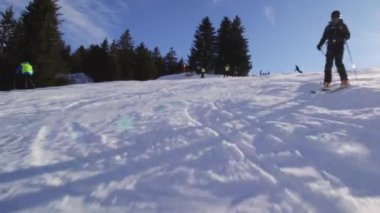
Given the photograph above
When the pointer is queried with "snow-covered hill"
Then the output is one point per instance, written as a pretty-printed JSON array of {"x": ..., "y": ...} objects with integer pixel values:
[{"x": 255, "y": 144}]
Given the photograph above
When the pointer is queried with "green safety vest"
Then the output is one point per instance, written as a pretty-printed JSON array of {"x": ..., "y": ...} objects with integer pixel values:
[
  {"x": 26, "y": 68},
  {"x": 227, "y": 68}
]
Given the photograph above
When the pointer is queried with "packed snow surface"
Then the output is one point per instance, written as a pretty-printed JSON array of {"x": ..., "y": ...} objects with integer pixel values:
[{"x": 178, "y": 144}]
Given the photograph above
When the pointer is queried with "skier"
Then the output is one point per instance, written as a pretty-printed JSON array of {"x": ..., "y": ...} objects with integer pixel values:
[
  {"x": 26, "y": 70},
  {"x": 203, "y": 72},
  {"x": 227, "y": 69},
  {"x": 336, "y": 33},
  {"x": 298, "y": 69}
]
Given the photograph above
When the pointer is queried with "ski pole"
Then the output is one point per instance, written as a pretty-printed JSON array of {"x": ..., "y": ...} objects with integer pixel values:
[
  {"x": 32, "y": 83},
  {"x": 352, "y": 61}
]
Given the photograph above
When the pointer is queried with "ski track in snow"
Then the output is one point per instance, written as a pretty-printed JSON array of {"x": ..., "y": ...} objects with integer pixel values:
[
  {"x": 255, "y": 144},
  {"x": 37, "y": 148}
]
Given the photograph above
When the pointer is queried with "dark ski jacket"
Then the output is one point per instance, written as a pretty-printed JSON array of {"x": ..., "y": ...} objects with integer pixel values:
[{"x": 335, "y": 34}]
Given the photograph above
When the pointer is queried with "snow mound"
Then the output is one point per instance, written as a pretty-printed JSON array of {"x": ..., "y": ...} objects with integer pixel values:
[
  {"x": 79, "y": 78},
  {"x": 254, "y": 144}
]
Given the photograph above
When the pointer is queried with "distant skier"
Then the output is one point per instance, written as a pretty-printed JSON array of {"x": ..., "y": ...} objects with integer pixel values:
[
  {"x": 298, "y": 69},
  {"x": 336, "y": 33},
  {"x": 26, "y": 71},
  {"x": 227, "y": 69},
  {"x": 203, "y": 72}
]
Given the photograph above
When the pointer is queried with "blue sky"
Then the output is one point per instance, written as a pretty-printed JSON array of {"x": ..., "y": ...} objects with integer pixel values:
[{"x": 281, "y": 33}]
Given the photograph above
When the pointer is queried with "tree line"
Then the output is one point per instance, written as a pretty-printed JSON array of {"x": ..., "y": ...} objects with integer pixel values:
[
  {"x": 122, "y": 60},
  {"x": 35, "y": 37}
]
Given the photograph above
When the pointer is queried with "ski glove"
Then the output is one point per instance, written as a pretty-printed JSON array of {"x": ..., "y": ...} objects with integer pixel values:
[{"x": 319, "y": 47}]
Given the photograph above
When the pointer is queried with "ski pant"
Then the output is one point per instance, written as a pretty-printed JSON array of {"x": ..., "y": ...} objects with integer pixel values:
[
  {"x": 28, "y": 82},
  {"x": 335, "y": 52}
]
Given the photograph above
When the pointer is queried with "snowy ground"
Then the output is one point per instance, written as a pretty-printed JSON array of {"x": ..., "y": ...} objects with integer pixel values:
[{"x": 255, "y": 144}]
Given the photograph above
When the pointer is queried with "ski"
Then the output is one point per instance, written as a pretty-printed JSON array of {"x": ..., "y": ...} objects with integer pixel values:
[{"x": 328, "y": 90}]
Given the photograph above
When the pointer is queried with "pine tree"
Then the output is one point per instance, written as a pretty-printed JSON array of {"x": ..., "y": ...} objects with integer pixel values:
[
  {"x": 203, "y": 50},
  {"x": 171, "y": 62},
  {"x": 233, "y": 47},
  {"x": 240, "y": 54},
  {"x": 114, "y": 54},
  {"x": 41, "y": 42},
  {"x": 124, "y": 55},
  {"x": 98, "y": 64},
  {"x": 77, "y": 60},
  {"x": 109, "y": 69},
  {"x": 158, "y": 62},
  {"x": 181, "y": 65},
  {"x": 7, "y": 29},
  {"x": 145, "y": 68},
  {"x": 224, "y": 45},
  {"x": 8, "y": 56},
  {"x": 66, "y": 56}
]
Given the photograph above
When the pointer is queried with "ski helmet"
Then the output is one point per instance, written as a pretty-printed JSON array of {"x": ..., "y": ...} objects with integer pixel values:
[{"x": 335, "y": 14}]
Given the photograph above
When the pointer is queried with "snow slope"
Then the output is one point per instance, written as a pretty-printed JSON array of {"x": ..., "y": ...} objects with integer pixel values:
[{"x": 255, "y": 144}]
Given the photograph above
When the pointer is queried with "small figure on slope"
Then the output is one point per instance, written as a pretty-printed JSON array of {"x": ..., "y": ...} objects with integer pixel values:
[
  {"x": 298, "y": 69},
  {"x": 203, "y": 71},
  {"x": 26, "y": 71},
  {"x": 227, "y": 69}
]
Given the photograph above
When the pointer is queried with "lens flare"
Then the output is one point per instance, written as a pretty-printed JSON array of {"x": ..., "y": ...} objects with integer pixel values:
[{"x": 125, "y": 123}]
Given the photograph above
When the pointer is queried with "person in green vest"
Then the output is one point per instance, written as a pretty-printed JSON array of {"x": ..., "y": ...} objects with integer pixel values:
[
  {"x": 203, "y": 71},
  {"x": 26, "y": 71},
  {"x": 227, "y": 71}
]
